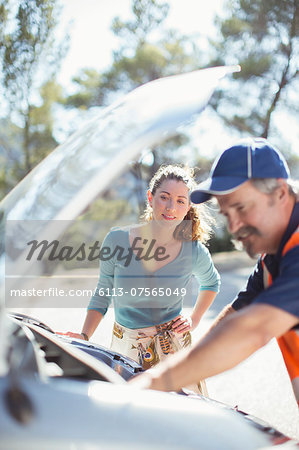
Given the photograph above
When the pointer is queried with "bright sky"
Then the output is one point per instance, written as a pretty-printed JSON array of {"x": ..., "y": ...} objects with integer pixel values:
[
  {"x": 92, "y": 44},
  {"x": 92, "y": 41}
]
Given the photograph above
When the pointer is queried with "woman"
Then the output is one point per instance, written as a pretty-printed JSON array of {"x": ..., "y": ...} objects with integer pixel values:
[{"x": 148, "y": 281}]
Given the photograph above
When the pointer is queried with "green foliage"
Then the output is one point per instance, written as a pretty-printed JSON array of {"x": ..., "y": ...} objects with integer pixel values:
[
  {"x": 88, "y": 82},
  {"x": 24, "y": 46},
  {"x": 148, "y": 61},
  {"x": 147, "y": 64},
  {"x": 50, "y": 93},
  {"x": 263, "y": 37},
  {"x": 106, "y": 209},
  {"x": 10, "y": 155},
  {"x": 29, "y": 59},
  {"x": 221, "y": 242},
  {"x": 41, "y": 140},
  {"x": 141, "y": 57},
  {"x": 148, "y": 16},
  {"x": 3, "y": 19}
]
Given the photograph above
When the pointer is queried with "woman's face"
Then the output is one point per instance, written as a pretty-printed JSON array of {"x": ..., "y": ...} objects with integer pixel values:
[{"x": 170, "y": 203}]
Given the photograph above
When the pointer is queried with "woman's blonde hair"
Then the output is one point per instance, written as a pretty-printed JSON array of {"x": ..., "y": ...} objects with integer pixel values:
[{"x": 196, "y": 225}]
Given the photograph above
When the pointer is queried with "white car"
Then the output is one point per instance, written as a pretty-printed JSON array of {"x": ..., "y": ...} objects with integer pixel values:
[{"x": 61, "y": 393}]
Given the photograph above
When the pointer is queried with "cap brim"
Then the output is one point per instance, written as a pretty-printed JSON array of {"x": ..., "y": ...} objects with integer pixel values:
[
  {"x": 215, "y": 186},
  {"x": 199, "y": 197}
]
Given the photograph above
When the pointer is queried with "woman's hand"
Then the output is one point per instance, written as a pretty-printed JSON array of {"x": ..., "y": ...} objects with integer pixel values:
[
  {"x": 73, "y": 335},
  {"x": 182, "y": 324}
]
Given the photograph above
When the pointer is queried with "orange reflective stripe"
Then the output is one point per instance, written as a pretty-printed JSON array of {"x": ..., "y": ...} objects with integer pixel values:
[
  {"x": 289, "y": 346},
  {"x": 267, "y": 277},
  {"x": 292, "y": 242},
  {"x": 289, "y": 342}
]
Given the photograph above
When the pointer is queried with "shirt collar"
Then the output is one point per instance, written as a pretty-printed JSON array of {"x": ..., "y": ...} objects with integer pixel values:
[
  {"x": 273, "y": 261},
  {"x": 292, "y": 226}
]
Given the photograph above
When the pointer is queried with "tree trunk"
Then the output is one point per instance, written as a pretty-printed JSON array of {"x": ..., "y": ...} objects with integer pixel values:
[
  {"x": 26, "y": 142},
  {"x": 284, "y": 79}
]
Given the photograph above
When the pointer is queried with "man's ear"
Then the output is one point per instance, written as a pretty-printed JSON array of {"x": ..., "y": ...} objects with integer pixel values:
[
  {"x": 283, "y": 190},
  {"x": 149, "y": 197}
]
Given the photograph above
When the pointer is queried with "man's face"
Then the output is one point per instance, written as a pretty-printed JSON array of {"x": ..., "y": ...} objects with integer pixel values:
[{"x": 253, "y": 218}]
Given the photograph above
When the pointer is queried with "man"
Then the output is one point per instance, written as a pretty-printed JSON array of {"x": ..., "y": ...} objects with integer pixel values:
[{"x": 251, "y": 184}]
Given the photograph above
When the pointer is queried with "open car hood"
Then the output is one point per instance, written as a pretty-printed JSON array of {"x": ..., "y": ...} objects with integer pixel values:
[
  {"x": 65, "y": 182},
  {"x": 75, "y": 173}
]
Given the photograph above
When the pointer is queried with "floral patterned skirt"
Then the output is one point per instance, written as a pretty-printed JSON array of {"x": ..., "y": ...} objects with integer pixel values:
[{"x": 148, "y": 346}]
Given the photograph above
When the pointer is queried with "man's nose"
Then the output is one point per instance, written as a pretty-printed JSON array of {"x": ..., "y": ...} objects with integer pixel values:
[{"x": 234, "y": 223}]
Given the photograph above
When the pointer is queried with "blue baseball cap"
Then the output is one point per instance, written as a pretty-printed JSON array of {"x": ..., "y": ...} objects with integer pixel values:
[{"x": 249, "y": 158}]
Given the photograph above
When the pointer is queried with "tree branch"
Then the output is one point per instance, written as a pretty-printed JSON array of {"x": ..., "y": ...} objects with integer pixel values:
[{"x": 284, "y": 79}]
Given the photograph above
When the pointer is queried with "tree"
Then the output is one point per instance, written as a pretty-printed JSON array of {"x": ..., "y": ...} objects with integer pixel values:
[
  {"x": 261, "y": 36},
  {"x": 28, "y": 51},
  {"x": 140, "y": 58},
  {"x": 88, "y": 82},
  {"x": 41, "y": 138},
  {"x": 10, "y": 155}
]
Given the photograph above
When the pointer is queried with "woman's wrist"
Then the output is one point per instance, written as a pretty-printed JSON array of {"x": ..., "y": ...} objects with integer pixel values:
[
  {"x": 85, "y": 336},
  {"x": 194, "y": 323}
]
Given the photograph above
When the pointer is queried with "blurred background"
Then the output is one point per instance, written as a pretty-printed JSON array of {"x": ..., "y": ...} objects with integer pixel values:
[{"x": 64, "y": 60}]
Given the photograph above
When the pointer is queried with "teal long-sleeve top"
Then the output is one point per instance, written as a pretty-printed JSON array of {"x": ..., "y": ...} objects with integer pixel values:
[{"x": 142, "y": 298}]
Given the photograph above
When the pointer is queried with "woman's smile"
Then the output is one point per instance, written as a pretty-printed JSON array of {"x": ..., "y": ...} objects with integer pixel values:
[{"x": 168, "y": 217}]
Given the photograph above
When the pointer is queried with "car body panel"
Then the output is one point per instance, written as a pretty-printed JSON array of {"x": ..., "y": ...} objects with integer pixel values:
[
  {"x": 108, "y": 413},
  {"x": 51, "y": 396}
]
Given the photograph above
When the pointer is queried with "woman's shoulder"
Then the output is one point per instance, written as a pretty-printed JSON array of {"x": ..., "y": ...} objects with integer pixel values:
[
  {"x": 117, "y": 233},
  {"x": 199, "y": 249},
  {"x": 121, "y": 233}
]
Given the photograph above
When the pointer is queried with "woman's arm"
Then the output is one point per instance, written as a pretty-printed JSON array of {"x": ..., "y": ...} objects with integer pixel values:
[
  {"x": 100, "y": 301},
  {"x": 92, "y": 320},
  {"x": 203, "y": 302},
  {"x": 209, "y": 280}
]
